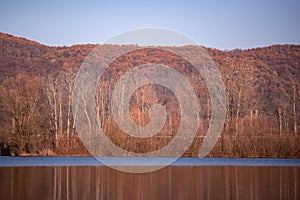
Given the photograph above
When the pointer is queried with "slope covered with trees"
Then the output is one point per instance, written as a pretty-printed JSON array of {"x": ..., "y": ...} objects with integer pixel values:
[{"x": 262, "y": 88}]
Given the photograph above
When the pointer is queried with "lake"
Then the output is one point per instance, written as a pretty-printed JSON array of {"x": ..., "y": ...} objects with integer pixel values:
[{"x": 186, "y": 178}]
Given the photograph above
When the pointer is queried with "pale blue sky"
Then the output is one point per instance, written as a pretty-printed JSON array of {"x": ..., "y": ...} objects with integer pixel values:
[{"x": 223, "y": 24}]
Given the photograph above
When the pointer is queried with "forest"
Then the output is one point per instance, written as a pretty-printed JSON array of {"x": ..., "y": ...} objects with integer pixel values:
[{"x": 262, "y": 109}]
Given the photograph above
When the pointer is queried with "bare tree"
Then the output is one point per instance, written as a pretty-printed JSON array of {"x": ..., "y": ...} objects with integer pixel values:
[
  {"x": 67, "y": 78},
  {"x": 290, "y": 91},
  {"x": 51, "y": 88},
  {"x": 295, "y": 94},
  {"x": 238, "y": 79},
  {"x": 22, "y": 99}
]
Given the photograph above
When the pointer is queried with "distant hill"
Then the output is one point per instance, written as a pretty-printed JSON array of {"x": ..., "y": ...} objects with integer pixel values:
[
  {"x": 262, "y": 84},
  {"x": 271, "y": 68},
  {"x": 19, "y": 55}
]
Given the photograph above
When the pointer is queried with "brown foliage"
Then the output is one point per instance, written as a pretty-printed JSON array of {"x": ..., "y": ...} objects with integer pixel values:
[
  {"x": 24, "y": 115},
  {"x": 262, "y": 86}
]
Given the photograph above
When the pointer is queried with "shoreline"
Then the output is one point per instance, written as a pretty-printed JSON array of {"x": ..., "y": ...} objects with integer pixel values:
[{"x": 141, "y": 161}]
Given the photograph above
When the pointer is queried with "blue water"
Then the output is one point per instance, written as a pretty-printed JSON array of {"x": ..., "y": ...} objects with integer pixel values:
[{"x": 142, "y": 161}]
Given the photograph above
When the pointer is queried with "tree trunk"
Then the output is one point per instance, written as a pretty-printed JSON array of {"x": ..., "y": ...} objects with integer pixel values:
[
  {"x": 208, "y": 111},
  {"x": 294, "y": 109},
  {"x": 251, "y": 121},
  {"x": 55, "y": 117},
  {"x": 280, "y": 121},
  {"x": 13, "y": 125},
  {"x": 238, "y": 111},
  {"x": 69, "y": 115},
  {"x": 60, "y": 114}
]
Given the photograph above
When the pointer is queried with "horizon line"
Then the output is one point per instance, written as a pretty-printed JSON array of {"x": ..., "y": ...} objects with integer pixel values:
[{"x": 87, "y": 43}]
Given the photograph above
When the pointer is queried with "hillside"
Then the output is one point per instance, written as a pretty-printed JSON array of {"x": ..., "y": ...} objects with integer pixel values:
[
  {"x": 262, "y": 85},
  {"x": 19, "y": 55}
]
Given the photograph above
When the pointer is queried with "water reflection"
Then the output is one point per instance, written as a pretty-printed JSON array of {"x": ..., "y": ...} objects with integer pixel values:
[{"x": 173, "y": 182}]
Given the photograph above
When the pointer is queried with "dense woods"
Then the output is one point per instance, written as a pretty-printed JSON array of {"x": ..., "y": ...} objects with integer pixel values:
[{"x": 262, "y": 110}]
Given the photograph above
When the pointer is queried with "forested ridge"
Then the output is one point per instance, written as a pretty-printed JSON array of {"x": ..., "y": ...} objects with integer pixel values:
[{"x": 262, "y": 110}]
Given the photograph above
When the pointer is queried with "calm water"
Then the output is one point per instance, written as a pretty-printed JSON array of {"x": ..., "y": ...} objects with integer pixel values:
[
  {"x": 86, "y": 178},
  {"x": 91, "y": 161}
]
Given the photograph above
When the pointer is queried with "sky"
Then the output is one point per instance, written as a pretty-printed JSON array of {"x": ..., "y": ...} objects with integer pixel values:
[{"x": 223, "y": 24}]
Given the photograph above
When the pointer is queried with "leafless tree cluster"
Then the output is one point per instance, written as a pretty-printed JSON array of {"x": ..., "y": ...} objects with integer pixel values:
[
  {"x": 262, "y": 108},
  {"x": 58, "y": 89},
  {"x": 25, "y": 125}
]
